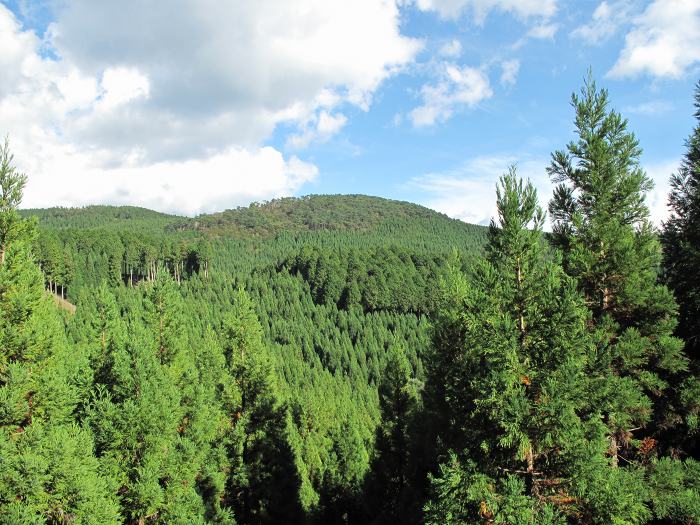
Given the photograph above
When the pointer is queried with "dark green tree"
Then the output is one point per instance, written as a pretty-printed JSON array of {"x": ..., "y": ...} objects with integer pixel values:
[
  {"x": 12, "y": 184},
  {"x": 681, "y": 239},
  {"x": 610, "y": 247},
  {"x": 389, "y": 493},
  {"x": 681, "y": 242},
  {"x": 263, "y": 486},
  {"x": 204, "y": 255}
]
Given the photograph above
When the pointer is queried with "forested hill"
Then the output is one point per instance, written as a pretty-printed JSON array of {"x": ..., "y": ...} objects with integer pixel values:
[
  {"x": 336, "y": 285},
  {"x": 104, "y": 217},
  {"x": 279, "y": 217},
  {"x": 324, "y": 212}
]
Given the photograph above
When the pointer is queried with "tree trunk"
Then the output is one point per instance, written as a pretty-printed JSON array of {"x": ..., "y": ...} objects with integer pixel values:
[
  {"x": 530, "y": 481},
  {"x": 614, "y": 448},
  {"x": 520, "y": 305},
  {"x": 606, "y": 298}
]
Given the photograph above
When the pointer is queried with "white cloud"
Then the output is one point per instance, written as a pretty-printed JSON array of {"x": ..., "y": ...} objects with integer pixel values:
[
  {"x": 543, "y": 31},
  {"x": 657, "y": 199},
  {"x": 458, "y": 88},
  {"x": 509, "y": 71},
  {"x": 122, "y": 85},
  {"x": 243, "y": 68},
  {"x": 480, "y": 8},
  {"x": 451, "y": 49},
  {"x": 468, "y": 192},
  {"x": 319, "y": 128},
  {"x": 132, "y": 88},
  {"x": 227, "y": 179},
  {"x": 664, "y": 42},
  {"x": 605, "y": 21},
  {"x": 653, "y": 107}
]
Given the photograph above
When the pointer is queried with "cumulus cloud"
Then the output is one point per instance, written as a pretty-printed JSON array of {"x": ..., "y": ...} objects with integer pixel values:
[
  {"x": 457, "y": 88},
  {"x": 227, "y": 179},
  {"x": 657, "y": 199},
  {"x": 481, "y": 8},
  {"x": 605, "y": 21},
  {"x": 509, "y": 71},
  {"x": 232, "y": 71},
  {"x": 131, "y": 87},
  {"x": 451, "y": 49},
  {"x": 120, "y": 86},
  {"x": 319, "y": 128},
  {"x": 664, "y": 42}
]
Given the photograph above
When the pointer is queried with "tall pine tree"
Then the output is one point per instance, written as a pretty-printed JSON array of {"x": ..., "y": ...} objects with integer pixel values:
[
  {"x": 48, "y": 472},
  {"x": 389, "y": 491},
  {"x": 518, "y": 446},
  {"x": 602, "y": 223}
]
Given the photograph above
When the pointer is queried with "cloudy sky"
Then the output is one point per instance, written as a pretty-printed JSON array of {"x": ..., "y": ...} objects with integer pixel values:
[{"x": 196, "y": 106}]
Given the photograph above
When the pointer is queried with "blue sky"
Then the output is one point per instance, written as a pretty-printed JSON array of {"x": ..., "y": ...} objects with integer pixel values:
[{"x": 193, "y": 107}]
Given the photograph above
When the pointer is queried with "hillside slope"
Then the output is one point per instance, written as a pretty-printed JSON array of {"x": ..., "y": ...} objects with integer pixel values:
[
  {"x": 101, "y": 217},
  {"x": 313, "y": 213}
]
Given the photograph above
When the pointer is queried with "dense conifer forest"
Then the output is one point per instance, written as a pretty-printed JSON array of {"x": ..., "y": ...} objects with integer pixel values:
[{"x": 352, "y": 359}]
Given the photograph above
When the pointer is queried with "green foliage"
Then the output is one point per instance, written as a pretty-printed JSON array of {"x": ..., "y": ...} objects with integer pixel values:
[
  {"x": 47, "y": 470},
  {"x": 390, "y": 493},
  {"x": 114, "y": 218},
  {"x": 555, "y": 407},
  {"x": 358, "y": 213},
  {"x": 463, "y": 495},
  {"x": 610, "y": 247},
  {"x": 507, "y": 379},
  {"x": 349, "y": 359},
  {"x": 681, "y": 238},
  {"x": 681, "y": 242},
  {"x": 12, "y": 184},
  {"x": 263, "y": 484}
]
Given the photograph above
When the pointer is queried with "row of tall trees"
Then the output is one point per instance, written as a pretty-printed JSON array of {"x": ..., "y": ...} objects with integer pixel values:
[{"x": 72, "y": 259}]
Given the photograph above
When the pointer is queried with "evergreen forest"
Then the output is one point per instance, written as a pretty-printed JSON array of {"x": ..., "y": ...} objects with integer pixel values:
[{"x": 346, "y": 359}]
